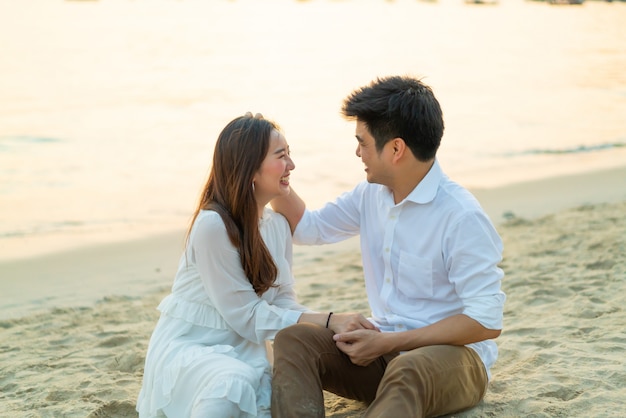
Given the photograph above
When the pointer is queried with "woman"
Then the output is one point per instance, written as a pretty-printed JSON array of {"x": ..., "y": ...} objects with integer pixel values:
[{"x": 233, "y": 289}]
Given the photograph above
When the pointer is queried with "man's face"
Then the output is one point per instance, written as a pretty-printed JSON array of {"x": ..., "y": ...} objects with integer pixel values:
[{"x": 374, "y": 162}]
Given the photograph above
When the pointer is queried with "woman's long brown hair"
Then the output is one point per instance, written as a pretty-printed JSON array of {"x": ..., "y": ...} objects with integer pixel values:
[{"x": 239, "y": 152}]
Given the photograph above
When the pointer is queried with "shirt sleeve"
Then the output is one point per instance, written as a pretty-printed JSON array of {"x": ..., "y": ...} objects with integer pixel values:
[
  {"x": 334, "y": 222},
  {"x": 472, "y": 251},
  {"x": 228, "y": 287},
  {"x": 286, "y": 298}
]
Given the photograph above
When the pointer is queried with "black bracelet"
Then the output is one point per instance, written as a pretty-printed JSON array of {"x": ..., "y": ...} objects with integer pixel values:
[{"x": 328, "y": 320}]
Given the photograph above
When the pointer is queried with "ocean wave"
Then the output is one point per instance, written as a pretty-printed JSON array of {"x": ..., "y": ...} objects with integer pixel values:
[
  {"x": 42, "y": 229},
  {"x": 12, "y": 141},
  {"x": 574, "y": 150}
]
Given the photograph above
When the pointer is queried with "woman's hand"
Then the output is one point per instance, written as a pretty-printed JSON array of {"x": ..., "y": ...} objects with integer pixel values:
[
  {"x": 256, "y": 115},
  {"x": 345, "y": 322}
]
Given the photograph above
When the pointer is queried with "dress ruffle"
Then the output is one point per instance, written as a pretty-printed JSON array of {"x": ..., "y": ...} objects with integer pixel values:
[
  {"x": 160, "y": 393},
  {"x": 193, "y": 312},
  {"x": 236, "y": 390}
]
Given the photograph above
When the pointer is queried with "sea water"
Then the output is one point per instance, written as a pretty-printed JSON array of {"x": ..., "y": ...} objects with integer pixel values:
[{"x": 109, "y": 109}]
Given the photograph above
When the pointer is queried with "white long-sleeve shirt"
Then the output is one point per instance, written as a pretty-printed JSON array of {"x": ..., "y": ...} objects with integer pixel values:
[{"x": 431, "y": 256}]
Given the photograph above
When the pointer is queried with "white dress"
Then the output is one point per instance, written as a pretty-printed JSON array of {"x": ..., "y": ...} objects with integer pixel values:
[{"x": 208, "y": 347}]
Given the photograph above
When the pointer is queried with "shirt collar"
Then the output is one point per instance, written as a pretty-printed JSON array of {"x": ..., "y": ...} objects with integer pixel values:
[{"x": 426, "y": 190}]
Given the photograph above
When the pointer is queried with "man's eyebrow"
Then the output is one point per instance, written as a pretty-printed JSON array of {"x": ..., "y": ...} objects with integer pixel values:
[{"x": 358, "y": 138}]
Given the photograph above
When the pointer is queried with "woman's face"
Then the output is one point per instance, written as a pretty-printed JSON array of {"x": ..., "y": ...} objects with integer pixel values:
[{"x": 272, "y": 179}]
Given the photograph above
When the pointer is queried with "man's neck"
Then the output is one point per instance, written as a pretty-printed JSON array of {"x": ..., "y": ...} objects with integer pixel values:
[{"x": 407, "y": 179}]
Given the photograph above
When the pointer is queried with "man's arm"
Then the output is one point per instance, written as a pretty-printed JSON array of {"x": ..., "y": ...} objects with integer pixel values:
[
  {"x": 291, "y": 207},
  {"x": 364, "y": 346}
]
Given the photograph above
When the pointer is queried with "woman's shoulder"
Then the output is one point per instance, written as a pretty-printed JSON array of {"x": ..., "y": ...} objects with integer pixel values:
[
  {"x": 275, "y": 219},
  {"x": 208, "y": 221},
  {"x": 208, "y": 231},
  {"x": 211, "y": 222},
  {"x": 275, "y": 227}
]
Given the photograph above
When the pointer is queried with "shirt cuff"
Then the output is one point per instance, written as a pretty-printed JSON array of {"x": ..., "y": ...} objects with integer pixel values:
[
  {"x": 487, "y": 310},
  {"x": 291, "y": 317}
]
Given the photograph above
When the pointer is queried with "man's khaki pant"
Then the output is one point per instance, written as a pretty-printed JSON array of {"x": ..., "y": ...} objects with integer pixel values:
[{"x": 425, "y": 382}]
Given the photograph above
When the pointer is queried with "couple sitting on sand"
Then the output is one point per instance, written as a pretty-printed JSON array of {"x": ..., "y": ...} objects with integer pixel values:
[{"x": 430, "y": 261}]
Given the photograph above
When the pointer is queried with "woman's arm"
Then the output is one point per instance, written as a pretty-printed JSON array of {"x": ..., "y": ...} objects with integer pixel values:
[{"x": 227, "y": 286}]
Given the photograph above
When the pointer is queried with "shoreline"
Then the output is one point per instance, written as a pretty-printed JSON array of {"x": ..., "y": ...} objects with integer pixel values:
[
  {"x": 527, "y": 199},
  {"x": 536, "y": 198},
  {"x": 134, "y": 267}
]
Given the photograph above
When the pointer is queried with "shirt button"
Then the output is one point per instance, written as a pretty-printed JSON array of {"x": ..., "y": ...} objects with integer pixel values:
[
  {"x": 387, "y": 249},
  {"x": 388, "y": 280}
]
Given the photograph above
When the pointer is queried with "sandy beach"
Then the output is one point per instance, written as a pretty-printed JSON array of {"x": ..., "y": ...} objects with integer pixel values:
[{"x": 74, "y": 326}]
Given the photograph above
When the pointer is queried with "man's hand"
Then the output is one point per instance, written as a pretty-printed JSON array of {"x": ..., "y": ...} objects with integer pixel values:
[{"x": 363, "y": 346}]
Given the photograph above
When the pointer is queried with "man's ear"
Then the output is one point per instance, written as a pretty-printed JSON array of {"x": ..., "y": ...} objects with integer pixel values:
[{"x": 399, "y": 149}]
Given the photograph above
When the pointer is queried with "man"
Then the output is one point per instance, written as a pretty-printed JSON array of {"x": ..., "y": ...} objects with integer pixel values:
[{"x": 430, "y": 261}]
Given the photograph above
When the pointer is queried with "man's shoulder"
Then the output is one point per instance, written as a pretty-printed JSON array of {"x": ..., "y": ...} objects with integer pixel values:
[{"x": 456, "y": 197}]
